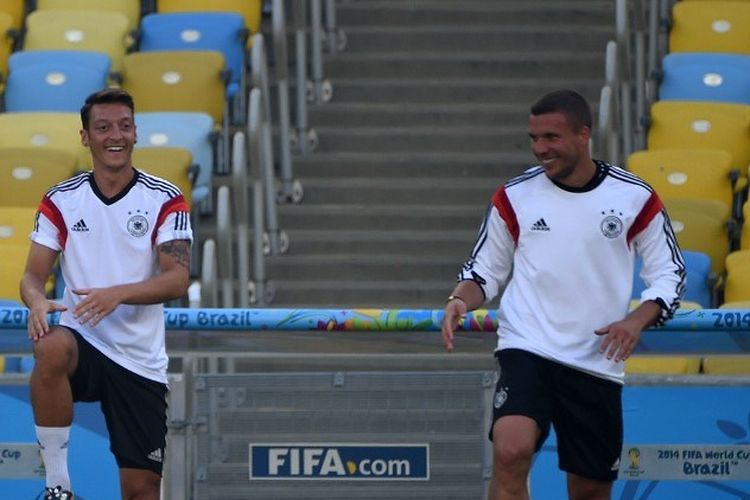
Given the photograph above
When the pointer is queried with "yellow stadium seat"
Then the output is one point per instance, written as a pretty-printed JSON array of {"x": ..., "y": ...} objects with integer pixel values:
[
  {"x": 44, "y": 130},
  {"x": 701, "y": 226},
  {"x": 250, "y": 10},
  {"x": 727, "y": 364},
  {"x": 96, "y": 31},
  {"x": 6, "y": 45},
  {"x": 642, "y": 364},
  {"x": 745, "y": 232},
  {"x": 182, "y": 80},
  {"x": 16, "y": 9},
  {"x": 131, "y": 9},
  {"x": 27, "y": 173},
  {"x": 738, "y": 304},
  {"x": 687, "y": 173},
  {"x": 172, "y": 164},
  {"x": 15, "y": 224},
  {"x": 716, "y": 26},
  {"x": 737, "y": 286},
  {"x": 702, "y": 125},
  {"x": 12, "y": 265}
]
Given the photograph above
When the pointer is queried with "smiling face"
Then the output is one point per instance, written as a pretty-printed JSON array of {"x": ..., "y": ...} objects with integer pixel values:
[
  {"x": 110, "y": 136},
  {"x": 561, "y": 149}
]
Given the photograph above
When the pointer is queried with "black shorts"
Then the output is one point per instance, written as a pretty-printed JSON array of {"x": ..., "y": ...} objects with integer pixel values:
[
  {"x": 134, "y": 407},
  {"x": 586, "y": 410}
]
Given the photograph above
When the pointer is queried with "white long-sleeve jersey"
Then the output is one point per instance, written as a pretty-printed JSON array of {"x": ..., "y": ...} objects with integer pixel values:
[{"x": 571, "y": 253}]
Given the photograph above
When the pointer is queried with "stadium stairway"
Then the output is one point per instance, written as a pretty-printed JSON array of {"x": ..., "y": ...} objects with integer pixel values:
[{"x": 428, "y": 117}]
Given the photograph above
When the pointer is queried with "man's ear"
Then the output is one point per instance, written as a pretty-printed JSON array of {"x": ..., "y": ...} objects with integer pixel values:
[{"x": 84, "y": 138}]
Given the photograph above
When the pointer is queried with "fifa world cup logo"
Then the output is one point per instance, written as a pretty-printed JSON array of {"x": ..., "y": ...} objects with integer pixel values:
[{"x": 635, "y": 455}]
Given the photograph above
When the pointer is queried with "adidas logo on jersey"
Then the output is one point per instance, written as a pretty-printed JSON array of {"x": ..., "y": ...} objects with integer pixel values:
[
  {"x": 156, "y": 455},
  {"x": 80, "y": 226},
  {"x": 540, "y": 225}
]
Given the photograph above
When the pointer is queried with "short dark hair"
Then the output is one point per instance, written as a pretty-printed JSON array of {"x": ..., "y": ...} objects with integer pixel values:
[
  {"x": 105, "y": 96},
  {"x": 568, "y": 102}
]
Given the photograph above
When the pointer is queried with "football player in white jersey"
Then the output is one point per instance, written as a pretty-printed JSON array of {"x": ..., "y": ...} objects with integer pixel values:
[
  {"x": 563, "y": 237},
  {"x": 123, "y": 237}
]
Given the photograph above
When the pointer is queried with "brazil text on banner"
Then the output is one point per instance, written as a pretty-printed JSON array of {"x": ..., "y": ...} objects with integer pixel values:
[
  {"x": 339, "y": 461},
  {"x": 696, "y": 462}
]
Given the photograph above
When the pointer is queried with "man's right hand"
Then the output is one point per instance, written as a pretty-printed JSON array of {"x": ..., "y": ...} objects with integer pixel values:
[
  {"x": 455, "y": 309},
  {"x": 38, "y": 325}
]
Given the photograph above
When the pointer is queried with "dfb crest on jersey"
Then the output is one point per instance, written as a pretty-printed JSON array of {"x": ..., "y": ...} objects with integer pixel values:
[
  {"x": 611, "y": 225},
  {"x": 137, "y": 225}
]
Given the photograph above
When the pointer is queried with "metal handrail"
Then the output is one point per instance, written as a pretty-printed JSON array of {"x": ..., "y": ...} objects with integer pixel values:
[
  {"x": 290, "y": 190},
  {"x": 209, "y": 287},
  {"x": 225, "y": 246},
  {"x": 241, "y": 211},
  {"x": 628, "y": 70}
]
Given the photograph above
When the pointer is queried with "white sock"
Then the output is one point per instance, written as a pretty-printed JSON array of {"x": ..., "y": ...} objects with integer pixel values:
[{"x": 53, "y": 445}]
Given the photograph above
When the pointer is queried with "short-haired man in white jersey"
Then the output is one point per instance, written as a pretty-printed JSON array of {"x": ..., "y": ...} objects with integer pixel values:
[
  {"x": 568, "y": 230},
  {"x": 123, "y": 237}
]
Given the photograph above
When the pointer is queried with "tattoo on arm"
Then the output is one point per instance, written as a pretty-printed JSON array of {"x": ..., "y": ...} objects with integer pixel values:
[{"x": 179, "y": 250}]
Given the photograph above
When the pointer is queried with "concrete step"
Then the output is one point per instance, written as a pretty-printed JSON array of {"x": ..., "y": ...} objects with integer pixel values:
[
  {"x": 487, "y": 12},
  {"x": 494, "y": 167},
  {"x": 440, "y": 89},
  {"x": 452, "y": 37},
  {"x": 344, "y": 293},
  {"x": 430, "y": 216},
  {"x": 362, "y": 267},
  {"x": 401, "y": 191},
  {"x": 403, "y": 139},
  {"x": 466, "y": 64},
  {"x": 453, "y": 244},
  {"x": 357, "y": 114}
]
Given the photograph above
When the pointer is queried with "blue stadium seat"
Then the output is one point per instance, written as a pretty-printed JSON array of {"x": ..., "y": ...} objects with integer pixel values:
[
  {"x": 223, "y": 32},
  {"x": 693, "y": 76},
  {"x": 700, "y": 279},
  {"x": 190, "y": 130},
  {"x": 54, "y": 80}
]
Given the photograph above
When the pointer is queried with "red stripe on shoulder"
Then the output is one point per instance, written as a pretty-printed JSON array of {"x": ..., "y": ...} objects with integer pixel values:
[
  {"x": 652, "y": 207},
  {"x": 48, "y": 208},
  {"x": 505, "y": 209},
  {"x": 173, "y": 205}
]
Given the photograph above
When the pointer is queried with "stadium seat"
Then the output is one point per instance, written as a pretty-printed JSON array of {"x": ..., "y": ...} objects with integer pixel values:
[
  {"x": 687, "y": 173},
  {"x": 16, "y": 9},
  {"x": 131, "y": 9},
  {"x": 12, "y": 265},
  {"x": 715, "y": 26},
  {"x": 737, "y": 285},
  {"x": 701, "y": 226},
  {"x": 16, "y": 223},
  {"x": 745, "y": 232},
  {"x": 220, "y": 31},
  {"x": 250, "y": 10},
  {"x": 27, "y": 173},
  {"x": 737, "y": 304},
  {"x": 193, "y": 131},
  {"x": 96, "y": 31},
  {"x": 646, "y": 364},
  {"x": 45, "y": 130},
  {"x": 171, "y": 164},
  {"x": 702, "y": 125},
  {"x": 688, "y": 76},
  {"x": 54, "y": 80},
  {"x": 727, "y": 364},
  {"x": 701, "y": 280},
  {"x": 6, "y": 44},
  {"x": 177, "y": 81}
]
